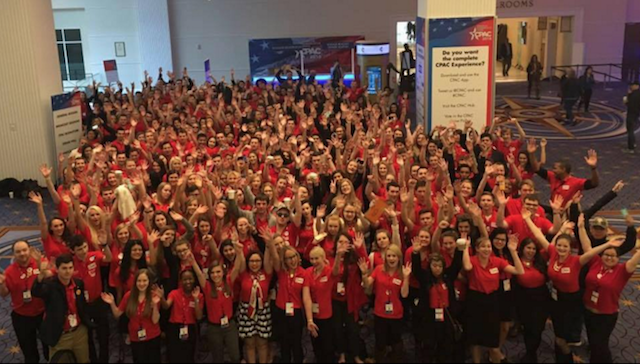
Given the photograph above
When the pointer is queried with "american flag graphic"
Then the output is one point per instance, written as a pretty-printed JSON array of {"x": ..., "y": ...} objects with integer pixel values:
[{"x": 65, "y": 101}]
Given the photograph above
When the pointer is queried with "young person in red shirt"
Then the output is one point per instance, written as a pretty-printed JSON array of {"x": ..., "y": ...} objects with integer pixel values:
[
  {"x": 317, "y": 293},
  {"x": 87, "y": 267},
  {"x": 605, "y": 282},
  {"x": 55, "y": 234},
  {"x": 288, "y": 312},
  {"x": 142, "y": 306},
  {"x": 219, "y": 297},
  {"x": 389, "y": 281},
  {"x": 27, "y": 311},
  {"x": 564, "y": 273},
  {"x": 187, "y": 306},
  {"x": 532, "y": 298},
  {"x": 483, "y": 309}
]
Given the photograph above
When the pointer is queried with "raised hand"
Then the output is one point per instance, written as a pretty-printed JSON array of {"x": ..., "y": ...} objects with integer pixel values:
[
  {"x": 581, "y": 221},
  {"x": 591, "y": 158},
  {"x": 196, "y": 292},
  {"x": 406, "y": 270},
  {"x": 363, "y": 264},
  {"x": 415, "y": 243},
  {"x": 107, "y": 298},
  {"x": 35, "y": 198},
  {"x": 526, "y": 214},
  {"x": 46, "y": 171},
  {"x": 617, "y": 242},
  {"x": 358, "y": 242},
  {"x": 618, "y": 187},
  {"x": 513, "y": 243},
  {"x": 532, "y": 147},
  {"x": 322, "y": 211},
  {"x": 557, "y": 204}
]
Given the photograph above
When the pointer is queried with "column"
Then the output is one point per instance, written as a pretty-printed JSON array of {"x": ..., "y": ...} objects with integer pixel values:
[{"x": 30, "y": 75}]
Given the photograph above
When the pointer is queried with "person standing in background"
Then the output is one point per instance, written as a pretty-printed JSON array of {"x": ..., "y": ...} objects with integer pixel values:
[
  {"x": 632, "y": 100},
  {"x": 570, "y": 94},
  {"x": 407, "y": 62},
  {"x": 507, "y": 56},
  {"x": 586, "y": 84},
  {"x": 534, "y": 72}
]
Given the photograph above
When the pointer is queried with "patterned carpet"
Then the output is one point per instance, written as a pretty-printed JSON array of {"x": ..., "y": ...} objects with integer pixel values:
[{"x": 614, "y": 165}]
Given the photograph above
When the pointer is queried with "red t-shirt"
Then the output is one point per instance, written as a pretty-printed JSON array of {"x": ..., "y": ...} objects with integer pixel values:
[
  {"x": 567, "y": 188},
  {"x": 514, "y": 207},
  {"x": 565, "y": 276},
  {"x": 305, "y": 237},
  {"x": 289, "y": 234},
  {"x": 603, "y": 287},
  {"x": 222, "y": 305},
  {"x": 183, "y": 310},
  {"x": 290, "y": 288},
  {"x": 139, "y": 321},
  {"x": 486, "y": 280},
  {"x": 54, "y": 248},
  {"x": 518, "y": 226},
  {"x": 19, "y": 281},
  {"x": 89, "y": 272},
  {"x": 439, "y": 296},
  {"x": 321, "y": 287},
  {"x": 387, "y": 289},
  {"x": 532, "y": 277},
  {"x": 246, "y": 283},
  {"x": 201, "y": 252}
]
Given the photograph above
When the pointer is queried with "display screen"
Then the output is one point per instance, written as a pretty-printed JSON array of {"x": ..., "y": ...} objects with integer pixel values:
[{"x": 374, "y": 76}]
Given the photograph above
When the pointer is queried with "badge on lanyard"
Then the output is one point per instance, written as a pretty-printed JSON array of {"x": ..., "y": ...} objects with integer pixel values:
[
  {"x": 389, "y": 308},
  {"x": 224, "y": 322},
  {"x": 184, "y": 333},
  {"x": 86, "y": 296},
  {"x": 595, "y": 297},
  {"x": 315, "y": 308},
  {"x": 554, "y": 294},
  {"x": 26, "y": 296},
  {"x": 439, "y": 315},
  {"x": 73, "y": 321},
  {"x": 289, "y": 309},
  {"x": 340, "y": 288},
  {"x": 507, "y": 285},
  {"x": 142, "y": 334}
]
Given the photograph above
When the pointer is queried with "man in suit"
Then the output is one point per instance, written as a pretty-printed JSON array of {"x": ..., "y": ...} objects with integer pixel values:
[
  {"x": 65, "y": 323},
  {"x": 507, "y": 56}
]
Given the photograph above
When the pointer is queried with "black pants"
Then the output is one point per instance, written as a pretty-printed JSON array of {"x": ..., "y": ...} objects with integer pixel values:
[
  {"x": 290, "y": 335},
  {"x": 98, "y": 313},
  {"x": 27, "y": 331},
  {"x": 599, "y": 329},
  {"x": 533, "y": 312},
  {"x": 586, "y": 99},
  {"x": 346, "y": 333},
  {"x": 534, "y": 83},
  {"x": 439, "y": 340},
  {"x": 388, "y": 332},
  {"x": 147, "y": 351},
  {"x": 178, "y": 350},
  {"x": 323, "y": 344},
  {"x": 567, "y": 316},
  {"x": 506, "y": 66},
  {"x": 568, "y": 107},
  {"x": 632, "y": 119}
]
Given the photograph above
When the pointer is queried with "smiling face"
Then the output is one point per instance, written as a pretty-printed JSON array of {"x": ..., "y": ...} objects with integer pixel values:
[
  {"x": 500, "y": 241},
  {"x": 255, "y": 263},
  {"x": 563, "y": 246},
  {"x": 484, "y": 249},
  {"x": 529, "y": 251},
  {"x": 392, "y": 259},
  {"x": 142, "y": 283},
  {"x": 57, "y": 227},
  {"x": 383, "y": 241}
]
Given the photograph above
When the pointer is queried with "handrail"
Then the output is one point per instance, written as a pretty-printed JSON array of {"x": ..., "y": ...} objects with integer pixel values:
[{"x": 607, "y": 76}]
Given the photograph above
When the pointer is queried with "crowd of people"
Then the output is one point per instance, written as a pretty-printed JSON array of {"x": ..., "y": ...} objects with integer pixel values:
[{"x": 243, "y": 216}]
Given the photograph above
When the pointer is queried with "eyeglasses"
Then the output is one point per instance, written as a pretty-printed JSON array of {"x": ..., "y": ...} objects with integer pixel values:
[{"x": 283, "y": 215}]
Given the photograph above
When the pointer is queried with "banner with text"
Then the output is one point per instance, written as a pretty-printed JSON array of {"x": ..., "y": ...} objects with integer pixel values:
[
  {"x": 461, "y": 71},
  {"x": 67, "y": 121},
  {"x": 268, "y": 55},
  {"x": 421, "y": 111}
]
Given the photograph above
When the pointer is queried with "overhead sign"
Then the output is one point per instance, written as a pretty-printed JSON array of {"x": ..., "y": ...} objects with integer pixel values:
[{"x": 372, "y": 49}]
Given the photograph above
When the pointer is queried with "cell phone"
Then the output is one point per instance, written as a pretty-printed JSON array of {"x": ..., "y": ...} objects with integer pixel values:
[{"x": 624, "y": 213}]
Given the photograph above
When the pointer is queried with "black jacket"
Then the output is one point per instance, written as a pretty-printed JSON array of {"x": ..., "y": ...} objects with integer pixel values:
[
  {"x": 52, "y": 292},
  {"x": 633, "y": 102},
  {"x": 426, "y": 280}
]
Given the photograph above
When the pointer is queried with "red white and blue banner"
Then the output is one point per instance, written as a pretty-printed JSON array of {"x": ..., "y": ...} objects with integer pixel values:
[
  {"x": 461, "y": 71},
  {"x": 266, "y": 56},
  {"x": 67, "y": 121},
  {"x": 421, "y": 111}
]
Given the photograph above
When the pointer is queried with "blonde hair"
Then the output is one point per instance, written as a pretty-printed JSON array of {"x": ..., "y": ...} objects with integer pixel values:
[
  {"x": 95, "y": 229},
  {"x": 395, "y": 250},
  {"x": 284, "y": 251},
  {"x": 318, "y": 252}
]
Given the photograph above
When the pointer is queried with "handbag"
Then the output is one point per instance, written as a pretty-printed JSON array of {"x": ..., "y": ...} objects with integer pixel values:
[{"x": 458, "y": 331}]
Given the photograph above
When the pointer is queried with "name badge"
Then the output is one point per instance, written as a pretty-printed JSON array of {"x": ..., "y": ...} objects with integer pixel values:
[
  {"x": 26, "y": 296},
  {"x": 192, "y": 304},
  {"x": 224, "y": 322},
  {"x": 388, "y": 308},
  {"x": 184, "y": 333},
  {"x": 142, "y": 334},
  {"x": 92, "y": 266},
  {"x": 86, "y": 296},
  {"x": 416, "y": 302},
  {"x": 340, "y": 288},
  {"x": 494, "y": 271},
  {"x": 554, "y": 294},
  {"x": 397, "y": 282},
  {"x": 299, "y": 280},
  {"x": 457, "y": 292},
  {"x": 566, "y": 187},
  {"x": 595, "y": 296},
  {"x": 324, "y": 279},
  {"x": 566, "y": 270},
  {"x": 315, "y": 308},
  {"x": 73, "y": 321},
  {"x": 261, "y": 277},
  {"x": 289, "y": 308},
  {"x": 507, "y": 285},
  {"x": 439, "y": 315}
]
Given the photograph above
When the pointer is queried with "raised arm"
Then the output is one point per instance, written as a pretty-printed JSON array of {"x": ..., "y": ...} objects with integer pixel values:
[
  {"x": 517, "y": 268},
  {"x": 44, "y": 228},
  {"x": 537, "y": 233},
  {"x": 632, "y": 264},
  {"x": 586, "y": 257}
]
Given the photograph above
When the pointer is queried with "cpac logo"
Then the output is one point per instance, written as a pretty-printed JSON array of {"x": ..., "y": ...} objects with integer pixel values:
[
  {"x": 481, "y": 35},
  {"x": 313, "y": 52}
]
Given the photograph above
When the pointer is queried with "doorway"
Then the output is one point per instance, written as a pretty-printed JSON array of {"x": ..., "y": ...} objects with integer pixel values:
[
  {"x": 550, "y": 38},
  {"x": 405, "y": 34}
]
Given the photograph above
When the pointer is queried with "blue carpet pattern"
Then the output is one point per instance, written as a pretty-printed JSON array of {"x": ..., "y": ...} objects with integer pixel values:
[{"x": 601, "y": 129}]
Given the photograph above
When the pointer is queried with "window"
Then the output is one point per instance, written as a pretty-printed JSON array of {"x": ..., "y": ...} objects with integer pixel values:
[{"x": 70, "y": 54}]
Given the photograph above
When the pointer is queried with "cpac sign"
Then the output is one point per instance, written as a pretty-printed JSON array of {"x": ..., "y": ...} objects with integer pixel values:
[
  {"x": 515, "y": 4},
  {"x": 481, "y": 34}
]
